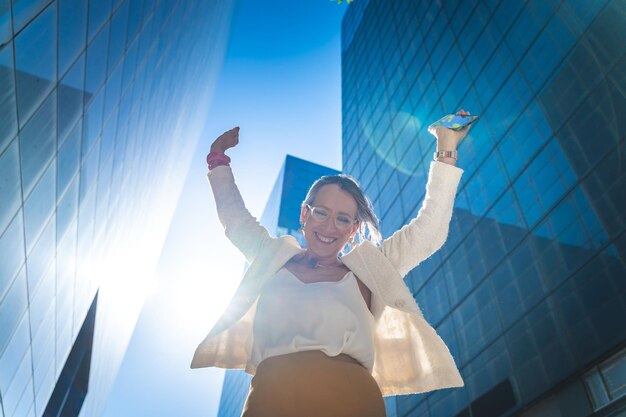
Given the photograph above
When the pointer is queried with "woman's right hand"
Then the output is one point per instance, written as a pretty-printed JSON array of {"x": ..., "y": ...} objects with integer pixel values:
[{"x": 226, "y": 140}]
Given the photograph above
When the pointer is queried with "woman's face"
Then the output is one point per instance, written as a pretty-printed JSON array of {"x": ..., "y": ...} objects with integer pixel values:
[{"x": 336, "y": 202}]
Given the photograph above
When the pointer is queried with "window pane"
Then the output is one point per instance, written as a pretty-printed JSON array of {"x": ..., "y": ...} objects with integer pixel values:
[
  {"x": 25, "y": 10},
  {"x": 45, "y": 384},
  {"x": 109, "y": 134},
  {"x": 41, "y": 305},
  {"x": 35, "y": 60},
  {"x": 12, "y": 308},
  {"x": 41, "y": 257},
  {"x": 118, "y": 36},
  {"x": 8, "y": 115},
  {"x": 134, "y": 22},
  {"x": 68, "y": 159},
  {"x": 10, "y": 185},
  {"x": 615, "y": 376},
  {"x": 130, "y": 61},
  {"x": 113, "y": 88},
  {"x": 11, "y": 252},
  {"x": 71, "y": 90},
  {"x": 38, "y": 143},
  {"x": 66, "y": 255},
  {"x": 72, "y": 31},
  {"x": 96, "y": 63},
  {"x": 93, "y": 122},
  {"x": 39, "y": 206},
  {"x": 5, "y": 21},
  {"x": 99, "y": 11},
  {"x": 596, "y": 389},
  {"x": 89, "y": 174},
  {"x": 67, "y": 210},
  {"x": 17, "y": 393},
  {"x": 12, "y": 357}
]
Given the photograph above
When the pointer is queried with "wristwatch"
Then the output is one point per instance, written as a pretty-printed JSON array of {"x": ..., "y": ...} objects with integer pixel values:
[{"x": 450, "y": 154}]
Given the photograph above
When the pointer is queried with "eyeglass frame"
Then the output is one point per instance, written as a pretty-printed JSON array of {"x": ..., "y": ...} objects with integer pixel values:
[{"x": 312, "y": 208}]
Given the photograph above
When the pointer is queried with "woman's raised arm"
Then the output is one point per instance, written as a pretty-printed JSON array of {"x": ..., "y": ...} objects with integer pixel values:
[
  {"x": 427, "y": 232},
  {"x": 240, "y": 226}
]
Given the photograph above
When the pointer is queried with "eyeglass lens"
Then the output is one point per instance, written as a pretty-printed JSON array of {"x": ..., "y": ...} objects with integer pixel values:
[{"x": 342, "y": 221}]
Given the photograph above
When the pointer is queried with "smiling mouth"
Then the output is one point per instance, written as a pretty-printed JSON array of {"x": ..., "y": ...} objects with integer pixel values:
[{"x": 324, "y": 240}]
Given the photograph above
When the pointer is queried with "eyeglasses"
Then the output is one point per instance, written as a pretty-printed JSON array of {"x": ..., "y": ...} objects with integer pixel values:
[{"x": 320, "y": 215}]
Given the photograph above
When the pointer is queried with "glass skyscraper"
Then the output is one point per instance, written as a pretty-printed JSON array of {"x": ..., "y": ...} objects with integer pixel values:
[
  {"x": 280, "y": 217},
  {"x": 529, "y": 291},
  {"x": 101, "y": 106}
]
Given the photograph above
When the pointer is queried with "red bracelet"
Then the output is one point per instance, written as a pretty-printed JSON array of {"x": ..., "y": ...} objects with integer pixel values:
[
  {"x": 213, "y": 165},
  {"x": 217, "y": 158}
]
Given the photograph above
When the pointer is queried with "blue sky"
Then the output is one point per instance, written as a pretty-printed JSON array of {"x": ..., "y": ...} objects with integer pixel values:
[{"x": 281, "y": 83}]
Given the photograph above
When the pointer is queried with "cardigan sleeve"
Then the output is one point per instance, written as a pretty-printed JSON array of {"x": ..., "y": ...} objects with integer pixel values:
[
  {"x": 241, "y": 228},
  {"x": 427, "y": 232}
]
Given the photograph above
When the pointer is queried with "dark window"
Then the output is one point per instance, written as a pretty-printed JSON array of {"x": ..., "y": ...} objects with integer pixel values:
[
  {"x": 463, "y": 413},
  {"x": 495, "y": 402}
]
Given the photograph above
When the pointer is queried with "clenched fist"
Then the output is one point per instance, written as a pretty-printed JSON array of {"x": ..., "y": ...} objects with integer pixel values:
[{"x": 226, "y": 140}]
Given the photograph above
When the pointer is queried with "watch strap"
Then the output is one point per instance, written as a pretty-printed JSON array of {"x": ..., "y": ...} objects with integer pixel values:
[{"x": 443, "y": 154}]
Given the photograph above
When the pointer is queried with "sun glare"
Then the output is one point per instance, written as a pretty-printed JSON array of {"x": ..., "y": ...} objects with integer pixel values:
[{"x": 203, "y": 290}]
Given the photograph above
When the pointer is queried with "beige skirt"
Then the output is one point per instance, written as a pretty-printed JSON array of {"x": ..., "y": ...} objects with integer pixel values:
[{"x": 313, "y": 384}]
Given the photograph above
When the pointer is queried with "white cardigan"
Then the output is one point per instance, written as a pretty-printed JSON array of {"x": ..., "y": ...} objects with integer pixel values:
[{"x": 410, "y": 356}]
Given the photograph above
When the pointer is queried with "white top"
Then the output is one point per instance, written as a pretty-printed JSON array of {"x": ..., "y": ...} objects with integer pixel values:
[{"x": 329, "y": 316}]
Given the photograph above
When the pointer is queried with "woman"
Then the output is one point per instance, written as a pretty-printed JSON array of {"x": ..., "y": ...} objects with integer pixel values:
[{"x": 324, "y": 334}]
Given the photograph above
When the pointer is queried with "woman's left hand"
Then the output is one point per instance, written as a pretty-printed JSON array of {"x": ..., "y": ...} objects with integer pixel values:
[{"x": 448, "y": 138}]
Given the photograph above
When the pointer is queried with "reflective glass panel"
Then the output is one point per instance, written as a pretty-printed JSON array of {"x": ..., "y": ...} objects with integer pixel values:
[
  {"x": 68, "y": 159},
  {"x": 108, "y": 136},
  {"x": 117, "y": 45},
  {"x": 130, "y": 61},
  {"x": 41, "y": 256},
  {"x": 39, "y": 206},
  {"x": 35, "y": 61},
  {"x": 38, "y": 143},
  {"x": 66, "y": 255},
  {"x": 93, "y": 122},
  {"x": 134, "y": 21},
  {"x": 11, "y": 252},
  {"x": 41, "y": 303},
  {"x": 96, "y": 63},
  {"x": 72, "y": 31},
  {"x": 615, "y": 375},
  {"x": 99, "y": 11},
  {"x": 25, "y": 10},
  {"x": 10, "y": 185},
  {"x": 71, "y": 90},
  {"x": 12, "y": 307},
  {"x": 14, "y": 352},
  {"x": 16, "y": 393},
  {"x": 8, "y": 114},
  {"x": 596, "y": 387},
  {"x": 67, "y": 209},
  {"x": 113, "y": 88},
  {"x": 44, "y": 387},
  {"x": 5, "y": 21},
  {"x": 89, "y": 173}
]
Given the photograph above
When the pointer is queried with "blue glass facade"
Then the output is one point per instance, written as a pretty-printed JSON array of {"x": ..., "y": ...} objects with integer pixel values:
[
  {"x": 280, "y": 217},
  {"x": 529, "y": 291},
  {"x": 101, "y": 106}
]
